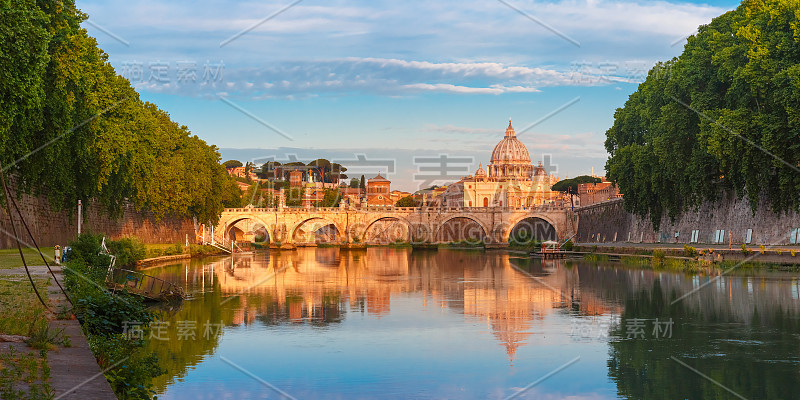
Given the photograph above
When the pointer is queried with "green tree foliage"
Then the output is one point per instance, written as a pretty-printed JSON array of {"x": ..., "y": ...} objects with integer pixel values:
[
  {"x": 331, "y": 172},
  {"x": 257, "y": 196},
  {"x": 407, "y": 201},
  {"x": 232, "y": 164},
  {"x": 72, "y": 129},
  {"x": 571, "y": 185},
  {"x": 354, "y": 183},
  {"x": 331, "y": 198},
  {"x": 722, "y": 117},
  {"x": 294, "y": 197}
]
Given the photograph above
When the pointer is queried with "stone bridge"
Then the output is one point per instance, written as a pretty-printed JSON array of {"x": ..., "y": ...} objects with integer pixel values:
[{"x": 419, "y": 225}]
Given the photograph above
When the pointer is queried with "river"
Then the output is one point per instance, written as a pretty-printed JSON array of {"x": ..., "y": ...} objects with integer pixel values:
[{"x": 398, "y": 324}]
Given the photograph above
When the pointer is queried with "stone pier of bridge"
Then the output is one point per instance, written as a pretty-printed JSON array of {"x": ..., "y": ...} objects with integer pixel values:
[{"x": 421, "y": 225}]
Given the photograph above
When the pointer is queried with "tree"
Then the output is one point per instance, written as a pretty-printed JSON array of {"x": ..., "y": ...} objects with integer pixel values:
[
  {"x": 354, "y": 183},
  {"x": 331, "y": 198},
  {"x": 72, "y": 129},
  {"x": 363, "y": 186},
  {"x": 571, "y": 185},
  {"x": 232, "y": 164},
  {"x": 231, "y": 194},
  {"x": 407, "y": 201},
  {"x": 720, "y": 118},
  {"x": 327, "y": 171},
  {"x": 294, "y": 197}
]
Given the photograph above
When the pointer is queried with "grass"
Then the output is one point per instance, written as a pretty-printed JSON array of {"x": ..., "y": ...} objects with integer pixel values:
[
  {"x": 18, "y": 303},
  {"x": 595, "y": 258},
  {"x": 9, "y": 258},
  {"x": 23, "y": 375}
]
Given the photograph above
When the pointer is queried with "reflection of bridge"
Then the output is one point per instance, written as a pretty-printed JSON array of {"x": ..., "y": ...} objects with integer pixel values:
[{"x": 490, "y": 225}]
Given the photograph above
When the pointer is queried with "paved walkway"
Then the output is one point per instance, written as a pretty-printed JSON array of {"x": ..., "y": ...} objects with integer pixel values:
[
  {"x": 698, "y": 246},
  {"x": 74, "y": 373}
]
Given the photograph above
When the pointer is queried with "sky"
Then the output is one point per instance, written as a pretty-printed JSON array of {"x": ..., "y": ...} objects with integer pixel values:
[{"x": 420, "y": 91}]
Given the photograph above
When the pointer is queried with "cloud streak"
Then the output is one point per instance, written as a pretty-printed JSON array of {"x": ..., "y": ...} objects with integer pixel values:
[{"x": 375, "y": 76}]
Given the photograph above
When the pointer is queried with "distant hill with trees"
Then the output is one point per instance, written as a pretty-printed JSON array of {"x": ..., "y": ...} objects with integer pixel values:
[
  {"x": 71, "y": 128},
  {"x": 724, "y": 116}
]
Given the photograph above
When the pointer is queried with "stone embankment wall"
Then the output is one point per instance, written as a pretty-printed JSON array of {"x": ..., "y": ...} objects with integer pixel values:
[
  {"x": 609, "y": 222},
  {"x": 51, "y": 227}
]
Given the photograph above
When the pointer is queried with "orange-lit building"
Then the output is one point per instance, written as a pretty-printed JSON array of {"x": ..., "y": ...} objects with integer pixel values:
[
  {"x": 379, "y": 191},
  {"x": 296, "y": 178},
  {"x": 591, "y": 193}
]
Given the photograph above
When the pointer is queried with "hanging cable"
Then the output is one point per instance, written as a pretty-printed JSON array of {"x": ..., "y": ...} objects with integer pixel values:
[
  {"x": 33, "y": 239},
  {"x": 19, "y": 245}
]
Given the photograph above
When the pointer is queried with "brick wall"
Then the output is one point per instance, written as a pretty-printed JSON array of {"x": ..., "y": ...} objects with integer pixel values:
[
  {"x": 602, "y": 222},
  {"x": 59, "y": 227}
]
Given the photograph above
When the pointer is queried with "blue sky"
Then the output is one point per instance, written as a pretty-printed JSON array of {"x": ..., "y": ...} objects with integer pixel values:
[{"x": 346, "y": 77}]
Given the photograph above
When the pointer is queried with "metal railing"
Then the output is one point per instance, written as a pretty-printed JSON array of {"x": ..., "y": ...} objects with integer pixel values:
[{"x": 142, "y": 284}]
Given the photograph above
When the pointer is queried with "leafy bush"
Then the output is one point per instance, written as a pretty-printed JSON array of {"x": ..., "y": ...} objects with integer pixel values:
[
  {"x": 568, "y": 246},
  {"x": 658, "y": 257},
  {"x": 131, "y": 378},
  {"x": 86, "y": 247},
  {"x": 689, "y": 251},
  {"x": 127, "y": 250},
  {"x": 106, "y": 314}
]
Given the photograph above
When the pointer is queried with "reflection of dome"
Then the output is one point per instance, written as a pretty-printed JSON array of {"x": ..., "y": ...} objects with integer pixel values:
[{"x": 510, "y": 158}]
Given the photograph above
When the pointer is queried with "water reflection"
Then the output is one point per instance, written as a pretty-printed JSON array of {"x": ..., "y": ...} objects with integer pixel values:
[{"x": 439, "y": 305}]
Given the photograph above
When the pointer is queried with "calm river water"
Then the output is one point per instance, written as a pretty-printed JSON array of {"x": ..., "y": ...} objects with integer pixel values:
[{"x": 396, "y": 324}]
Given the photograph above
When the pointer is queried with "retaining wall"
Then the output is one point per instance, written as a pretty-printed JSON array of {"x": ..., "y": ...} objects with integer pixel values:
[
  {"x": 609, "y": 222},
  {"x": 52, "y": 227}
]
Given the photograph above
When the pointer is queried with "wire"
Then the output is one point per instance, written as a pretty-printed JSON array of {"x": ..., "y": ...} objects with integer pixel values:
[
  {"x": 19, "y": 245},
  {"x": 25, "y": 224}
]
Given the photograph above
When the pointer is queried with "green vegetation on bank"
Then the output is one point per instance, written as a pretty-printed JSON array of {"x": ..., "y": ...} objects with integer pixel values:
[
  {"x": 721, "y": 117},
  {"x": 111, "y": 321},
  {"x": 71, "y": 128}
]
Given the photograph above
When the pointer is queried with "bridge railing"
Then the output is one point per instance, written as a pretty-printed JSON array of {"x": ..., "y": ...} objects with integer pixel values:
[{"x": 540, "y": 208}]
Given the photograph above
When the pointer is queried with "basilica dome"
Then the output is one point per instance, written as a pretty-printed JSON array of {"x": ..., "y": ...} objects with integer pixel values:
[
  {"x": 510, "y": 158},
  {"x": 510, "y": 150}
]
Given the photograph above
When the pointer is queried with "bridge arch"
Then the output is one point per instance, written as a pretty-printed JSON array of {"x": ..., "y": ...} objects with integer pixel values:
[
  {"x": 371, "y": 223},
  {"x": 230, "y": 224},
  {"x": 538, "y": 226},
  {"x": 296, "y": 226},
  {"x": 487, "y": 232}
]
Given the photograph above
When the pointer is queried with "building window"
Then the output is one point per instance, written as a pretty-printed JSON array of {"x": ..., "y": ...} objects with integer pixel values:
[
  {"x": 470, "y": 203},
  {"x": 486, "y": 202}
]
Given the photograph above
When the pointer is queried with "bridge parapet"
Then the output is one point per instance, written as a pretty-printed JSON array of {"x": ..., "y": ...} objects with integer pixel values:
[{"x": 424, "y": 223}]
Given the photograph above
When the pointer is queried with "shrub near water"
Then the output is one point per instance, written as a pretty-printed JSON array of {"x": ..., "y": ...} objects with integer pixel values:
[
  {"x": 128, "y": 251},
  {"x": 127, "y": 366}
]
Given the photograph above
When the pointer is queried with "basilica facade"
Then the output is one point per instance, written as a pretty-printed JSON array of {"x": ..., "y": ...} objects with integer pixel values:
[{"x": 510, "y": 180}]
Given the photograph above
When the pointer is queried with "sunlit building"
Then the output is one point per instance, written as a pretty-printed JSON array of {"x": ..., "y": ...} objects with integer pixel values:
[{"x": 510, "y": 180}]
